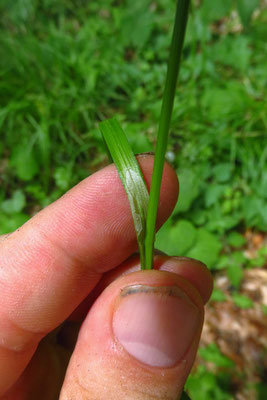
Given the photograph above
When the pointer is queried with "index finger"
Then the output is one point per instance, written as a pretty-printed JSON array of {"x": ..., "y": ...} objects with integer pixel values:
[{"x": 50, "y": 265}]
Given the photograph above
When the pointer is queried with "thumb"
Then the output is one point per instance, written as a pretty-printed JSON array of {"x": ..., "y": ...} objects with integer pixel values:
[{"x": 138, "y": 341}]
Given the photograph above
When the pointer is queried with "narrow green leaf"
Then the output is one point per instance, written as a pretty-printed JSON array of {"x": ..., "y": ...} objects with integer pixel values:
[
  {"x": 164, "y": 124},
  {"x": 144, "y": 215},
  {"x": 131, "y": 177}
]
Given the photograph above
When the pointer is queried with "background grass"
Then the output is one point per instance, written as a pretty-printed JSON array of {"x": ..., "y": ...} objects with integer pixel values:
[{"x": 66, "y": 65}]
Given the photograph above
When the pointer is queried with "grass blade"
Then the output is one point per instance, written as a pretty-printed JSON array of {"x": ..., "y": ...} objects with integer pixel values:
[
  {"x": 164, "y": 125},
  {"x": 131, "y": 177}
]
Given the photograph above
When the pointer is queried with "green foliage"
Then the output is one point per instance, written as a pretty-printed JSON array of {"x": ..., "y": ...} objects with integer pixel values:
[
  {"x": 236, "y": 240},
  {"x": 189, "y": 190},
  {"x": 66, "y": 65},
  {"x": 184, "y": 239},
  {"x": 261, "y": 391},
  {"x": 8, "y": 224},
  {"x": 246, "y": 8},
  {"x": 62, "y": 176},
  {"x": 206, "y": 385},
  {"x": 185, "y": 396},
  {"x": 176, "y": 239},
  {"x": 236, "y": 261},
  {"x": 137, "y": 24},
  {"x": 212, "y": 354},
  {"x": 213, "y": 11},
  {"x": 23, "y": 161},
  {"x": 86, "y": 61},
  {"x": 242, "y": 301},
  {"x": 15, "y": 204},
  {"x": 11, "y": 215},
  {"x": 260, "y": 259},
  {"x": 218, "y": 295},
  {"x": 222, "y": 172},
  {"x": 207, "y": 247},
  {"x": 235, "y": 274}
]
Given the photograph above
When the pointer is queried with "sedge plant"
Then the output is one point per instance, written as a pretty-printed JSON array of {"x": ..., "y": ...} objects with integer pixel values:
[{"x": 143, "y": 205}]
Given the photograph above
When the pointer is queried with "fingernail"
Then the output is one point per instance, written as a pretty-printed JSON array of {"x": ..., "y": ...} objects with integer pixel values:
[{"x": 156, "y": 325}]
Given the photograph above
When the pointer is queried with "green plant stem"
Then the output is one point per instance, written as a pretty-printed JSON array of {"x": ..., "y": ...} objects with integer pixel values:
[{"x": 164, "y": 125}]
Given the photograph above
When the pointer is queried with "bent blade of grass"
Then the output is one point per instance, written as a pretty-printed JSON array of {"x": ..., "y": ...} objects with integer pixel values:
[
  {"x": 164, "y": 125},
  {"x": 131, "y": 177}
]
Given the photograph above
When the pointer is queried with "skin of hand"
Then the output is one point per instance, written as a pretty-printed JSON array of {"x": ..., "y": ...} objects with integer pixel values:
[{"x": 70, "y": 271}]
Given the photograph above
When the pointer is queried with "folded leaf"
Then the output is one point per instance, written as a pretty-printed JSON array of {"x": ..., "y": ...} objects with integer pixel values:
[{"x": 131, "y": 177}]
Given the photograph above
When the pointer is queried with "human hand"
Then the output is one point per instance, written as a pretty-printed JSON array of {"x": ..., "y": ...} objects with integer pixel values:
[{"x": 72, "y": 261}]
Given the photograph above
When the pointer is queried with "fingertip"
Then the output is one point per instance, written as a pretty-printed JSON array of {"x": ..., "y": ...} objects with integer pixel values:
[
  {"x": 146, "y": 324},
  {"x": 193, "y": 270}
]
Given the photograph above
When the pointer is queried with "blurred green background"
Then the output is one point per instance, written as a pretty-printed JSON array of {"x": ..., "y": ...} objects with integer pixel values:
[{"x": 65, "y": 65}]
